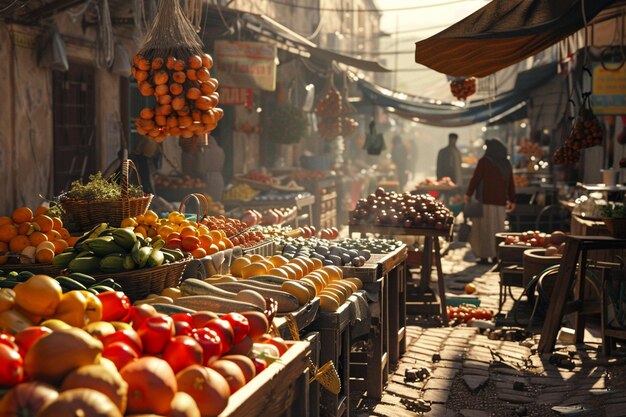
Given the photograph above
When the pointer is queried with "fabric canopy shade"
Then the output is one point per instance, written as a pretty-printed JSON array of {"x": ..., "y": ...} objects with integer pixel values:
[
  {"x": 503, "y": 33},
  {"x": 454, "y": 114}
]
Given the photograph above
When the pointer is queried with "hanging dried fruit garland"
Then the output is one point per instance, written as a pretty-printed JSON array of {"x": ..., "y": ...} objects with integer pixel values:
[
  {"x": 172, "y": 68},
  {"x": 587, "y": 131},
  {"x": 462, "y": 88},
  {"x": 334, "y": 114}
]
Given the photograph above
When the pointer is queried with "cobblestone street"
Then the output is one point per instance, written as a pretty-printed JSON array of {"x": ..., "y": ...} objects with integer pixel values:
[{"x": 469, "y": 372}]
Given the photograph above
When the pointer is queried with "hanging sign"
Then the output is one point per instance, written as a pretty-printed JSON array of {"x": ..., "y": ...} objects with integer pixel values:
[
  {"x": 246, "y": 64},
  {"x": 609, "y": 90},
  {"x": 235, "y": 96}
]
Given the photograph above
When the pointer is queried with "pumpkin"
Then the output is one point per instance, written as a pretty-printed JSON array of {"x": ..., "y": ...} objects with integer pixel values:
[
  {"x": 101, "y": 378},
  {"x": 151, "y": 385},
  {"x": 26, "y": 399},
  {"x": 206, "y": 386},
  {"x": 83, "y": 402},
  {"x": 55, "y": 355},
  {"x": 183, "y": 405},
  {"x": 231, "y": 372}
]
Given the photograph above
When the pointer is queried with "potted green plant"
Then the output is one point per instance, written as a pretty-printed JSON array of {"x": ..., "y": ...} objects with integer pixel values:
[{"x": 614, "y": 216}]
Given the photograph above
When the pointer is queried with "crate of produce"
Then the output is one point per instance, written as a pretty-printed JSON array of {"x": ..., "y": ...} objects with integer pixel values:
[{"x": 274, "y": 391}]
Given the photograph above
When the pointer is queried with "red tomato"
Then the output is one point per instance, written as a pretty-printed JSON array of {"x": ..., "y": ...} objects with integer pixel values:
[
  {"x": 9, "y": 340},
  {"x": 11, "y": 366},
  {"x": 224, "y": 330},
  {"x": 210, "y": 342},
  {"x": 120, "y": 354},
  {"x": 280, "y": 344},
  {"x": 115, "y": 305},
  {"x": 182, "y": 328},
  {"x": 259, "y": 365},
  {"x": 240, "y": 326},
  {"x": 27, "y": 337},
  {"x": 155, "y": 332},
  {"x": 200, "y": 318},
  {"x": 186, "y": 317},
  {"x": 141, "y": 312},
  {"x": 181, "y": 352},
  {"x": 126, "y": 336}
]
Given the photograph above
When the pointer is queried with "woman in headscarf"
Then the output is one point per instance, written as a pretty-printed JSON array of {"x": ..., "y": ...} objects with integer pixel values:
[{"x": 493, "y": 184}]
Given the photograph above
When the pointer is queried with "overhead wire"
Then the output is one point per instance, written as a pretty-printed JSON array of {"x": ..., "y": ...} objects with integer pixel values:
[{"x": 397, "y": 9}]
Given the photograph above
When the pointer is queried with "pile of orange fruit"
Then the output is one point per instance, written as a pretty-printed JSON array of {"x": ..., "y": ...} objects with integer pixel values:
[
  {"x": 36, "y": 236},
  {"x": 180, "y": 233}
]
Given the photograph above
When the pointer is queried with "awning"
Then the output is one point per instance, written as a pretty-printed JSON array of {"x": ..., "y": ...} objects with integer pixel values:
[
  {"x": 454, "y": 114},
  {"x": 278, "y": 32},
  {"x": 503, "y": 33}
]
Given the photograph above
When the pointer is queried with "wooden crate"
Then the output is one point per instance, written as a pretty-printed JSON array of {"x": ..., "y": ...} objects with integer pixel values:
[
  {"x": 334, "y": 333},
  {"x": 273, "y": 392},
  {"x": 304, "y": 316}
]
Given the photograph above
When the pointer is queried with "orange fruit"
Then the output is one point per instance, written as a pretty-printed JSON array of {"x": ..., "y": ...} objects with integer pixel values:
[
  {"x": 18, "y": 243},
  {"x": 190, "y": 243},
  {"x": 255, "y": 268},
  {"x": 41, "y": 210},
  {"x": 59, "y": 246},
  {"x": 53, "y": 235},
  {"x": 45, "y": 245},
  {"x": 255, "y": 257},
  {"x": 5, "y": 220},
  {"x": 215, "y": 235},
  {"x": 71, "y": 241},
  {"x": 57, "y": 224},
  {"x": 205, "y": 241},
  {"x": 150, "y": 217},
  {"x": 151, "y": 231},
  {"x": 3, "y": 248},
  {"x": 228, "y": 243},
  {"x": 36, "y": 238},
  {"x": 164, "y": 231},
  {"x": 203, "y": 230},
  {"x": 45, "y": 223},
  {"x": 198, "y": 253},
  {"x": 44, "y": 256},
  {"x": 470, "y": 288},
  {"x": 65, "y": 234},
  {"x": 212, "y": 249},
  {"x": 25, "y": 228},
  {"x": 220, "y": 244},
  {"x": 237, "y": 264},
  {"x": 141, "y": 230},
  {"x": 187, "y": 231},
  {"x": 22, "y": 214}
]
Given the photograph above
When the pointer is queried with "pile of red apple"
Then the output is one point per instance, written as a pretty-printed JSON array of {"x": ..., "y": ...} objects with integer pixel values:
[
  {"x": 553, "y": 242},
  {"x": 230, "y": 226},
  {"x": 401, "y": 210},
  {"x": 267, "y": 218}
]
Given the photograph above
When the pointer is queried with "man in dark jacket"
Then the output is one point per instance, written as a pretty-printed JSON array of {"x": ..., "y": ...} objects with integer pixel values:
[{"x": 449, "y": 161}]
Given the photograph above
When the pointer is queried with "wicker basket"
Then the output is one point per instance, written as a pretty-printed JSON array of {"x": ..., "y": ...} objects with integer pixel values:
[
  {"x": 44, "y": 269},
  {"x": 202, "y": 205},
  {"x": 616, "y": 226},
  {"x": 88, "y": 213},
  {"x": 138, "y": 284}
]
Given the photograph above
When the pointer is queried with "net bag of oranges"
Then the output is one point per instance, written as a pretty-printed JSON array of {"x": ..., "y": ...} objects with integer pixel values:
[{"x": 172, "y": 68}]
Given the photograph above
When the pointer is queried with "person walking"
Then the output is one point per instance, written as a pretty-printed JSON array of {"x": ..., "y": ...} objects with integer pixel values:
[
  {"x": 449, "y": 161},
  {"x": 493, "y": 185},
  {"x": 399, "y": 158}
]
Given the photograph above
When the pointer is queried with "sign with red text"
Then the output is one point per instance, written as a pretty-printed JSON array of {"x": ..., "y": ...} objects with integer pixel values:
[
  {"x": 246, "y": 64},
  {"x": 235, "y": 96}
]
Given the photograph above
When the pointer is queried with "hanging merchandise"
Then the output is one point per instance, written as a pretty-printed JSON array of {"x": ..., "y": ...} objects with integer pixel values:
[
  {"x": 52, "y": 52},
  {"x": 462, "y": 88},
  {"x": 286, "y": 125},
  {"x": 565, "y": 155},
  {"x": 348, "y": 124},
  {"x": 329, "y": 110},
  {"x": 587, "y": 131},
  {"x": 106, "y": 49},
  {"x": 172, "y": 68}
]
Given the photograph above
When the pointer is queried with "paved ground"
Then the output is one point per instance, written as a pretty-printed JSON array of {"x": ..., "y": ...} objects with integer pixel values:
[{"x": 481, "y": 373}]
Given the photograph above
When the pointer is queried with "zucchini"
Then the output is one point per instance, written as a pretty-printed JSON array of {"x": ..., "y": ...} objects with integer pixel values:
[
  {"x": 159, "y": 299},
  {"x": 101, "y": 288},
  {"x": 170, "y": 309},
  {"x": 8, "y": 283},
  {"x": 84, "y": 279},
  {"x": 269, "y": 279},
  {"x": 193, "y": 286},
  {"x": 109, "y": 282},
  {"x": 215, "y": 304},
  {"x": 24, "y": 275},
  {"x": 286, "y": 302},
  {"x": 69, "y": 283}
]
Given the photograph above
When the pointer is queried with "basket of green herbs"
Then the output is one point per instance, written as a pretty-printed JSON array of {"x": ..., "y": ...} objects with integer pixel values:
[
  {"x": 105, "y": 200},
  {"x": 614, "y": 216}
]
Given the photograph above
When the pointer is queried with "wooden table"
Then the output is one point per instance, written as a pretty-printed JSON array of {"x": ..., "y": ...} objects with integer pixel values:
[
  {"x": 576, "y": 249},
  {"x": 431, "y": 245},
  {"x": 383, "y": 279}
]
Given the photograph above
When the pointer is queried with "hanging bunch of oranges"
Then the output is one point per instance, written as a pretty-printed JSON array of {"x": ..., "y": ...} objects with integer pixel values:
[
  {"x": 186, "y": 96},
  {"x": 33, "y": 237}
]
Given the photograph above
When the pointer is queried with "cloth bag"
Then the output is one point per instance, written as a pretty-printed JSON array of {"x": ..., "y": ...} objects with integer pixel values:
[{"x": 374, "y": 142}]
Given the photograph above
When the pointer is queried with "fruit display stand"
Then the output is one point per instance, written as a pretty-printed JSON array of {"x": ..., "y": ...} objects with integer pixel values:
[
  {"x": 383, "y": 278},
  {"x": 303, "y": 203},
  {"x": 302, "y": 318},
  {"x": 265, "y": 248},
  {"x": 335, "y": 335},
  {"x": 325, "y": 207},
  {"x": 279, "y": 387}
]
